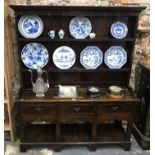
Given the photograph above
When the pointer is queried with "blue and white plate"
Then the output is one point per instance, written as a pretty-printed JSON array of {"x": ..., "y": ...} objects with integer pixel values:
[
  {"x": 80, "y": 27},
  {"x": 64, "y": 57},
  {"x": 91, "y": 57},
  {"x": 119, "y": 30},
  {"x": 34, "y": 55},
  {"x": 30, "y": 26},
  {"x": 115, "y": 57}
]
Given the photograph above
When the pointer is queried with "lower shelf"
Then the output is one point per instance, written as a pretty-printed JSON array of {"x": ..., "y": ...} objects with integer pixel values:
[
  {"x": 79, "y": 134},
  {"x": 39, "y": 133},
  {"x": 46, "y": 133},
  {"x": 75, "y": 133},
  {"x": 110, "y": 133}
]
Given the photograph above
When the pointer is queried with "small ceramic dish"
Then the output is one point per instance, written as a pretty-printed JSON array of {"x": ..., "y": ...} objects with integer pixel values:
[
  {"x": 115, "y": 91},
  {"x": 93, "y": 92},
  {"x": 92, "y": 35}
]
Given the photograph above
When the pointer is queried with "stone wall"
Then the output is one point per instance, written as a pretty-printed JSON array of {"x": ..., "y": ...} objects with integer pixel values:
[
  {"x": 79, "y": 2},
  {"x": 142, "y": 46}
]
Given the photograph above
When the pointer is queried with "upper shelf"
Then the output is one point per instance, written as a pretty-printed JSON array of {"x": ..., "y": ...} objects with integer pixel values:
[
  {"x": 78, "y": 69},
  {"x": 79, "y": 10},
  {"x": 76, "y": 40}
]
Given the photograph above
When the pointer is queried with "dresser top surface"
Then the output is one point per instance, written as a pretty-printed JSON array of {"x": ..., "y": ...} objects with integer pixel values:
[{"x": 52, "y": 97}]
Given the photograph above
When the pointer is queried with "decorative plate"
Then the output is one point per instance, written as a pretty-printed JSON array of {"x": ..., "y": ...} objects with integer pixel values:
[
  {"x": 115, "y": 57},
  {"x": 80, "y": 27},
  {"x": 64, "y": 57},
  {"x": 119, "y": 30},
  {"x": 91, "y": 57},
  {"x": 34, "y": 55},
  {"x": 30, "y": 26}
]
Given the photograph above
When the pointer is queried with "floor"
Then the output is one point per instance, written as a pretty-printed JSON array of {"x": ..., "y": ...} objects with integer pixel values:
[{"x": 13, "y": 149}]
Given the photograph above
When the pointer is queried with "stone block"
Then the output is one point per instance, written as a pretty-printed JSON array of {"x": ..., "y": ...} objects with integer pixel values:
[
  {"x": 18, "y": 2},
  {"x": 71, "y": 2},
  {"x": 144, "y": 21},
  {"x": 117, "y": 2},
  {"x": 145, "y": 1},
  {"x": 133, "y": 2}
]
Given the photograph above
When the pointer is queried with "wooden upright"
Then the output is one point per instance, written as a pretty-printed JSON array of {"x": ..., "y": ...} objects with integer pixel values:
[{"x": 8, "y": 73}]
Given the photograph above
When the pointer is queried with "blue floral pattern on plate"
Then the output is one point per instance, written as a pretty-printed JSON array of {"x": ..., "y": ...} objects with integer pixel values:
[
  {"x": 115, "y": 57},
  {"x": 119, "y": 30},
  {"x": 80, "y": 27},
  {"x": 30, "y": 26},
  {"x": 64, "y": 57},
  {"x": 34, "y": 55},
  {"x": 91, "y": 57}
]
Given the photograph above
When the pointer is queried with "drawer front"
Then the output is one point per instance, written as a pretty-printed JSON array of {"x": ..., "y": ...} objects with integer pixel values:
[
  {"x": 115, "y": 116},
  {"x": 115, "y": 112},
  {"x": 76, "y": 109},
  {"x": 38, "y": 112},
  {"x": 114, "y": 108}
]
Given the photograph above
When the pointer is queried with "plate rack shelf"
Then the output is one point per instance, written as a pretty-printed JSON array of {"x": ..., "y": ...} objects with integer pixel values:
[{"x": 82, "y": 121}]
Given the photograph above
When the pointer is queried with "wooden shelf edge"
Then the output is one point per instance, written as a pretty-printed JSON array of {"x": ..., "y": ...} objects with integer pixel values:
[
  {"x": 76, "y": 40},
  {"x": 83, "y": 70}
]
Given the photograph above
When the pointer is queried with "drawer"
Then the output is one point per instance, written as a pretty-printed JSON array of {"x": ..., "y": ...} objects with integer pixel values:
[
  {"x": 115, "y": 108},
  {"x": 114, "y": 116},
  {"x": 39, "y": 109},
  {"x": 115, "y": 112},
  {"x": 38, "y": 112},
  {"x": 76, "y": 109}
]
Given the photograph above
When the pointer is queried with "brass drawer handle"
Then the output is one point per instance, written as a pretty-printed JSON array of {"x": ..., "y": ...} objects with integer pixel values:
[
  {"x": 38, "y": 108},
  {"x": 76, "y": 108},
  {"x": 38, "y": 120},
  {"x": 115, "y": 108}
]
